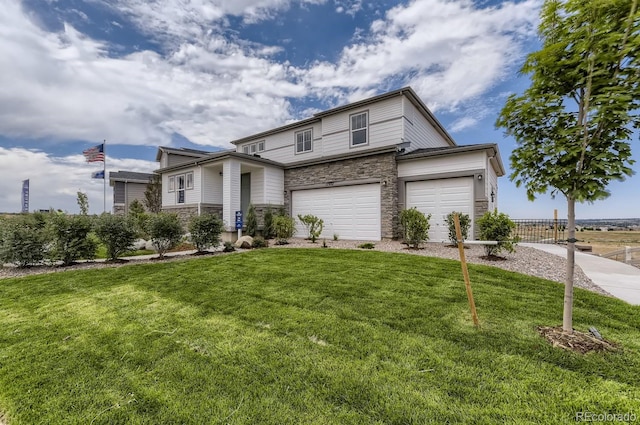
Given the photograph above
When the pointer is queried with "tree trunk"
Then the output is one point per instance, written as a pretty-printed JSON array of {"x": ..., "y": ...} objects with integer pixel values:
[{"x": 567, "y": 318}]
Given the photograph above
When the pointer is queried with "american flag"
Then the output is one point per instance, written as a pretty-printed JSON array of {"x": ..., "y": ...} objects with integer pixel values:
[{"x": 94, "y": 154}]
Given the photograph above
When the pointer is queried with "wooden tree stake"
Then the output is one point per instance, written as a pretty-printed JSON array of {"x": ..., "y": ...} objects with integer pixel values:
[{"x": 465, "y": 271}]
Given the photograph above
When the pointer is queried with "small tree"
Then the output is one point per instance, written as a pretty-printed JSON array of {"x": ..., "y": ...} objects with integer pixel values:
[
  {"x": 165, "y": 231},
  {"x": 497, "y": 227},
  {"x": 267, "y": 230},
  {"x": 24, "y": 240},
  {"x": 251, "y": 221},
  {"x": 465, "y": 225},
  {"x": 153, "y": 194},
  {"x": 83, "y": 203},
  {"x": 71, "y": 238},
  {"x": 415, "y": 226},
  {"x": 313, "y": 224},
  {"x": 574, "y": 123},
  {"x": 205, "y": 231},
  {"x": 139, "y": 217},
  {"x": 117, "y": 233},
  {"x": 284, "y": 227}
]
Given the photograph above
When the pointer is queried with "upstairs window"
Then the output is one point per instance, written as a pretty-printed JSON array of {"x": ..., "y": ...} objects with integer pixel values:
[
  {"x": 360, "y": 129},
  {"x": 253, "y": 148},
  {"x": 304, "y": 141}
]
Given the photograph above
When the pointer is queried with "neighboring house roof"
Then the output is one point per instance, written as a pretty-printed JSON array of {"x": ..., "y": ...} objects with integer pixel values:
[
  {"x": 406, "y": 91},
  {"x": 450, "y": 150},
  {"x": 217, "y": 156},
  {"x": 129, "y": 177},
  {"x": 181, "y": 151}
]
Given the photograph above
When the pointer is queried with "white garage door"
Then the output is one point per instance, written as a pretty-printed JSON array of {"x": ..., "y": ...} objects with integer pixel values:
[
  {"x": 439, "y": 198},
  {"x": 351, "y": 212}
]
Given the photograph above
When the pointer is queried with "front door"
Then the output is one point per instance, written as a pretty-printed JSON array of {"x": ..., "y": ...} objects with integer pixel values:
[{"x": 245, "y": 193}]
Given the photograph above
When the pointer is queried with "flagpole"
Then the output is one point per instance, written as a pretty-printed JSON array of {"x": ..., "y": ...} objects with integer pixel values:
[{"x": 104, "y": 177}]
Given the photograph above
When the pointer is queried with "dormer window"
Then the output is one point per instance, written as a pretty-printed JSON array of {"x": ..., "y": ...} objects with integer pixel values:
[
  {"x": 304, "y": 140},
  {"x": 253, "y": 148},
  {"x": 359, "y": 129}
]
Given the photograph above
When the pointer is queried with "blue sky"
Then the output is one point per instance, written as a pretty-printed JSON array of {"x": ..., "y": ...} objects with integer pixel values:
[{"x": 147, "y": 73}]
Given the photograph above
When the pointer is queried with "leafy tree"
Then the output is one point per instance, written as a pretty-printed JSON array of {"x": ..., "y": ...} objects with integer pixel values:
[
  {"x": 465, "y": 225},
  {"x": 572, "y": 125},
  {"x": 267, "y": 230},
  {"x": 284, "y": 227},
  {"x": 165, "y": 231},
  {"x": 495, "y": 226},
  {"x": 313, "y": 224},
  {"x": 205, "y": 231},
  {"x": 153, "y": 194},
  {"x": 71, "y": 238},
  {"x": 415, "y": 226},
  {"x": 83, "y": 203},
  {"x": 117, "y": 233},
  {"x": 252, "y": 221}
]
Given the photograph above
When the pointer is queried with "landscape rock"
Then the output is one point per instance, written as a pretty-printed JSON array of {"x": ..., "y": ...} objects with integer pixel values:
[{"x": 245, "y": 242}]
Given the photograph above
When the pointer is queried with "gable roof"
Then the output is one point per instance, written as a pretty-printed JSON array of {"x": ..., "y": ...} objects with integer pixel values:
[
  {"x": 217, "y": 156},
  {"x": 492, "y": 149},
  {"x": 405, "y": 91},
  {"x": 181, "y": 151}
]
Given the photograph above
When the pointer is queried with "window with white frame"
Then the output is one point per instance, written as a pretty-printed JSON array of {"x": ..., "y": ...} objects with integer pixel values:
[
  {"x": 253, "y": 148},
  {"x": 179, "y": 184},
  {"x": 304, "y": 141},
  {"x": 180, "y": 189},
  {"x": 172, "y": 184},
  {"x": 359, "y": 129},
  {"x": 189, "y": 180}
]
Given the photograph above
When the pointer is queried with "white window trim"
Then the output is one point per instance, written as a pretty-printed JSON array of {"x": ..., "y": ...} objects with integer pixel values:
[
  {"x": 366, "y": 128},
  {"x": 253, "y": 148},
  {"x": 188, "y": 176},
  {"x": 295, "y": 142},
  {"x": 172, "y": 184}
]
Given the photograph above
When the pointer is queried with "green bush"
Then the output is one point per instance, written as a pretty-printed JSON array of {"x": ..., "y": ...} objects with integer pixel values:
[
  {"x": 497, "y": 227},
  {"x": 139, "y": 217},
  {"x": 313, "y": 224},
  {"x": 366, "y": 245},
  {"x": 205, "y": 231},
  {"x": 259, "y": 242},
  {"x": 465, "y": 225},
  {"x": 228, "y": 247},
  {"x": 165, "y": 232},
  {"x": 415, "y": 226},
  {"x": 251, "y": 222},
  {"x": 117, "y": 233},
  {"x": 24, "y": 240},
  {"x": 267, "y": 230},
  {"x": 71, "y": 239},
  {"x": 284, "y": 227}
]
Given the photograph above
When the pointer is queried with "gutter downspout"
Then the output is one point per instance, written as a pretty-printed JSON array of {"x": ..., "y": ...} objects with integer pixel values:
[{"x": 200, "y": 199}]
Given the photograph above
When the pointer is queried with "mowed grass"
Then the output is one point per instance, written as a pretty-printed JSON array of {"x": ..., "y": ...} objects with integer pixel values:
[{"x": 281, "y": 336}]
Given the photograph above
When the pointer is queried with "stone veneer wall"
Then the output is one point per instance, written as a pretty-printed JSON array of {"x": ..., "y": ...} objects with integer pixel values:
[
  {"x": 118, "y": 210},
  {"x": 184, "y": 213},
  {"x": 381, "y": 167},
  {"x": 481, "y": 206}
]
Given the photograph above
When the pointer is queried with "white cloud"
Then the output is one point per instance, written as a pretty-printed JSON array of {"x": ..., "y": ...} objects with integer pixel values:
[{"x": 55, "y": 181}]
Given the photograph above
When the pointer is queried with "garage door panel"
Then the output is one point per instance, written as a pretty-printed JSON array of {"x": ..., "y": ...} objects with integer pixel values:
[
  {"x": 352, "y": 212},
  {"x": 439, "y": 198}
]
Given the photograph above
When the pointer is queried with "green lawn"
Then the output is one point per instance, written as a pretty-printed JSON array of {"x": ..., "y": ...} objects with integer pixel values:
[{"x": 281, "y": 336}]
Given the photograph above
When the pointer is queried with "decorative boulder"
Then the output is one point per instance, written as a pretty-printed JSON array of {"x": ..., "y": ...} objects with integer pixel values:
[{"x": 245, "y": 242}]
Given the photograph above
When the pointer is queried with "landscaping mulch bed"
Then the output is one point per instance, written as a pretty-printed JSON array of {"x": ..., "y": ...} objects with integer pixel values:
[{"x": 577, "y": 341}]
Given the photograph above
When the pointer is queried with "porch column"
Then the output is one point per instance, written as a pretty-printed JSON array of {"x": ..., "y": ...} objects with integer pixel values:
[{"x": 230, "y": 193}]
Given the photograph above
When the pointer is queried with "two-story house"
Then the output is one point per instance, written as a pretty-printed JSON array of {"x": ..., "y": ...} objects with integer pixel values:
[{"x": 356, "y": 166}]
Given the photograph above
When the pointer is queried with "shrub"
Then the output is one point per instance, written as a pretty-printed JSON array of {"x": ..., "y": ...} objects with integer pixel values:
[
  {"x": 415, "y": 226},
  {"x": 313, "y": 224},
  {"x": 251, "y": 221},
  {"x": 165, "y": 232},
  {"x": 366, "y": 245},
  {"x": 139, "y": 217},
  {"x": 284, "y": 227},
  {"x": 465, "y": 224},
  {"x": 267, "y": 230},
  {"x": 259, "y": 242},
  {"x": 117, "y": 233},
  {"x": 335, "y": 236},
  {"x": 497, "y": 227},
  {"x": 24, "y": 240},
  {"x": 205, "y": 231},
  {"x": 71, "y": 239},
  {"x": 228, "y": 247}
]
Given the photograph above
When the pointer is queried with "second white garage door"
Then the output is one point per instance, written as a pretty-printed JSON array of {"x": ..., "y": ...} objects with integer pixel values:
[
  {"x": 351, "y": 212},
  {"x": 439, "y": 198}
]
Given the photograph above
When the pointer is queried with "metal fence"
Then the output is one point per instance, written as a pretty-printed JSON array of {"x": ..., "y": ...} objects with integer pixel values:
[{"x": 541, "y": 231}]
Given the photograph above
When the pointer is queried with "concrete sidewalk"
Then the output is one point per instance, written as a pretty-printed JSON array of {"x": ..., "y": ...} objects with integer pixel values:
[{"x": 619, "y": 279}]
